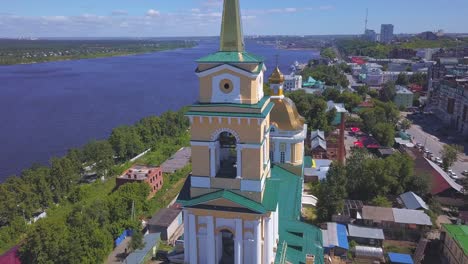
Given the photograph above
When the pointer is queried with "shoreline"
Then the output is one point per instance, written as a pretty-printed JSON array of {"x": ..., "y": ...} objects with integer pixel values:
[{"x": 58, "y": 59}]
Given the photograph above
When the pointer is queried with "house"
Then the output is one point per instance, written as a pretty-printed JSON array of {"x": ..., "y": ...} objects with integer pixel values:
[
  {"x": 455, "y": 241},
  {"x": 397, "y": 223},
  {"x": 385, "y": 152},
  {"x": 366, "y": 235},
  {"x": 318, "y": 144},
  {"x": 317, "y": 171},
  {"x": 138, "y": 173},
  {"x": 340, "y": 110},
  {"x": 351, "y": 210},
  {"x": 168, "y": 222},
  {"x": 335, "y": 240},
  {"x": 403, "y": 97},
  {"x": 397, "y": 258},
  {"x": 412, "y": 201}
]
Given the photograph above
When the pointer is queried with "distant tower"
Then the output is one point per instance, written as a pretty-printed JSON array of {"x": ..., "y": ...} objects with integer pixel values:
[
  {"x": 386, "y": 33},
  {"x": 367, "y": 16}
]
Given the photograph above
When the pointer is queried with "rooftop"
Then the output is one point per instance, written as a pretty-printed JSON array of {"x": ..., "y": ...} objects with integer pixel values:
[
  {"x": 413, "y": 201},
  {"x": 377, "y": 213},
  {"x": 406, "y": 216},
  {"x": 164, "y": 217},
  {"x": 139, "y": 255},
  {"x": 402, "y": 90},
  {"x": 365, "y": 232},
  {"x": 335, "y": 236},
  {"x": 178, "y": 161},
  {"x": 138, "y": 172},
  {"x": 231, "y": 57},
  {"x": 460, "y": 234},
  {"x": 398, "y": 258}
]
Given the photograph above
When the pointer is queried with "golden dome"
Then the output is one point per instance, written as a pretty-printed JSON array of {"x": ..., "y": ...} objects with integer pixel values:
[
  {"x": 285, "y": 116},
  {"x": 276, "y": 76}
]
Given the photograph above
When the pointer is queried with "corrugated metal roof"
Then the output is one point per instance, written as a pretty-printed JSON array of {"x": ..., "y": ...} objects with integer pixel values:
[
  {"x": 413, "y": 201},
  {"x": 336, "y": 236},
  {"x": 318, "y": 142},
  {"x": 407, "y": 216},
  {"x": 317, "y": 133},
  {"x": 444, "y": 175},
  {"x": 138, "y": 256},
  {"x": 362, "y": 251},
  {"x": 365, "y": 232}
]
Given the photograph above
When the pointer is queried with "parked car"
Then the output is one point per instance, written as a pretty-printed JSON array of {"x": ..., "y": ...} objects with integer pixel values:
[
  {"x": 465, "y": 173},
  {"x": 438, "y": 160},
  {"x": 454, "y": 176}
]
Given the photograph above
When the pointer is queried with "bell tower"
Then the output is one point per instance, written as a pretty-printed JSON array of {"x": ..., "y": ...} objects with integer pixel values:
[{"x": 227, "y": 218}]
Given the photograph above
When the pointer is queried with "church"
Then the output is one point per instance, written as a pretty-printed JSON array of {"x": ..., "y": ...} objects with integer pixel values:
[{"x": 242, "y": 201}]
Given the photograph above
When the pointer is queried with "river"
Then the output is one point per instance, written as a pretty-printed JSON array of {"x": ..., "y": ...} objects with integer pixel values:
[{"x": 47, "y": 108}]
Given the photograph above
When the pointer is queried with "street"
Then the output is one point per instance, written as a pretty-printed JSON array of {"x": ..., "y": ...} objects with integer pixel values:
[{"x": 433, "y": 143}]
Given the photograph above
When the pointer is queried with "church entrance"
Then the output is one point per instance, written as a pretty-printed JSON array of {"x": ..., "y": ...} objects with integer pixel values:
[
  {"x": 227, "y": 156},
  {"x": 227, "y": 245}
]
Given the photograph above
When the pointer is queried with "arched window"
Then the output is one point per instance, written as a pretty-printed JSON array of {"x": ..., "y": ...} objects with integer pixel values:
[
  {"x": 226, "y": 244},
  {"x": 227, "y": 156}
]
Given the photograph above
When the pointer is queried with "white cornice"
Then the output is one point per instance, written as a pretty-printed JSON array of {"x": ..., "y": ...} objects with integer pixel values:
[{"x": 227, "y": 67}]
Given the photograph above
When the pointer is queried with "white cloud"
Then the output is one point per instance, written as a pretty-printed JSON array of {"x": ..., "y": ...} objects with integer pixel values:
[
  {"x": 153, "y": 13},
  {"x": 195, "y": 10},
  {"x": 290, "y": 9},
  {"x": 326, "y": 7}
]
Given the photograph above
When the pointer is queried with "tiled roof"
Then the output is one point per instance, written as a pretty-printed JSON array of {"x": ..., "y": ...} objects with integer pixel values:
[
  {"x": 460, "y": 234},
  {"x": 231, "y": 57}
]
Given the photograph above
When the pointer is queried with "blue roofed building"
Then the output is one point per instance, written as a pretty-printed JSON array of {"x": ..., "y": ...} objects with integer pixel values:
[
  {"x": 397, "y": 258},
  {"x": 335, "y": 239}
]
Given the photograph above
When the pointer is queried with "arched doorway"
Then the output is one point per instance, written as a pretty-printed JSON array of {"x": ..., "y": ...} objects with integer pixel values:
[
  {"x": 227, "y": 155},
  {"x": 226, "y": 249}
]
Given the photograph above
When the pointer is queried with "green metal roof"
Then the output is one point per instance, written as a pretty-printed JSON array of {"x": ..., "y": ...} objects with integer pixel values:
[
  {"x": 300, "y": 238},
  {"x": 230, "y": 196},
  {"x": 460, "y": 234},
  {"x": 264, "y": 114},
  {"x": 231, "y": 57},
  {"x": 258, "y": 105}
]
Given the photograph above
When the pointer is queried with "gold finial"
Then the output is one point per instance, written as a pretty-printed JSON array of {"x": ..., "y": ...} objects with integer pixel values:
[
  {"x": 232, "y": 38},
  {"x": 276, "y": 77}
]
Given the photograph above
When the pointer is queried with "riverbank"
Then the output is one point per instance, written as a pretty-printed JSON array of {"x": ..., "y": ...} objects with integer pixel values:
[{"x": 15, "y": 52}]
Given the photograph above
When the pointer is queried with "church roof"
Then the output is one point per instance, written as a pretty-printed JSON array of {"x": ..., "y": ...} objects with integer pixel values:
[
  {"x": 231, "y": 57},
  {"x": 276, "y": 76},
  {"x": 285, "y": 115}
]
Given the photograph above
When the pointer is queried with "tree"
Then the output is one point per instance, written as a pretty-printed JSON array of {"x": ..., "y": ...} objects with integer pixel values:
[
  {"x": 402, "y": 79},
  {"x": 362, "y": 90},
  {"x": 405, "y": 124},
  {"x": 328, "y": 53},
  {"x": 384, "y": 133},
  {"x": 388, "y": 92},
  {"x": 419, "y": 79},
  {"x": 137, "y": 241},
  {"x": 331, "y": 94},
  {"x": 126, "y": 142},
  {"x": 101, "y": 155},
  {"x": 381, "y": 201},
  {"x": 420, "y": 184},
  {"x": 351, "y": 100},
  {"x": 449, "y": 155},
  {"x": 332, "y": 192}
]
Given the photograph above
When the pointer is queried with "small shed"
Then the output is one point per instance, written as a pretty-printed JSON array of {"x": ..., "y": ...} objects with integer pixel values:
[
  {"x": 412, "y": 201},
  {"x": 168, "y": 222},
  {"x": 335, "y": 239},
  {"x": 397, "y": 258},
  {"x": 366, "y": 235}
]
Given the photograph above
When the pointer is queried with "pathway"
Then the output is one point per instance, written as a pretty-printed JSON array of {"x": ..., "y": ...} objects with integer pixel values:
[{"x": 118, "y": 255}]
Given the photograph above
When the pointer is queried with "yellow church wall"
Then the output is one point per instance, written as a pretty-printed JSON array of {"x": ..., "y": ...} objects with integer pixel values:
[
  {"x": 299, "y": 152},
  {"x": 200, "y": 160},
  {"x": 245, "y": 89},
  {"x": 252, "y": 164},
  {"x": 202, "y": 131}
]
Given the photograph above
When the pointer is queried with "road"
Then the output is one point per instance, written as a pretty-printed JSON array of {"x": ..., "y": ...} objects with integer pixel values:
[{"x": 434, "y": 145}]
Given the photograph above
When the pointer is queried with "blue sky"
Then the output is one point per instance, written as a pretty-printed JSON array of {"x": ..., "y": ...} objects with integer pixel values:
[{"x": 155, "y": 18}]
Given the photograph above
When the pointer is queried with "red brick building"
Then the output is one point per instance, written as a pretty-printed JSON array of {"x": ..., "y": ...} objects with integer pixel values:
[{"x": 138, "y": 173}]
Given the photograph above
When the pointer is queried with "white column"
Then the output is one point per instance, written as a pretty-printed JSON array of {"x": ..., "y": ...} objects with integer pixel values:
[
  {"x": 239, "y": 161},
  {"x": 212, "y": 160},
  {"x": 193, "y": 240},
  {"x": 238, "y": 257},
  {"x": 258, "y": 241},
  {"x": 186, "y": 237},
  {"x": 210, "y": 241},
  {"x": 267, "y": 249}
]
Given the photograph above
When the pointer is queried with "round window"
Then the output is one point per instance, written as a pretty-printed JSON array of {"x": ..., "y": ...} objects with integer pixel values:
[{"x": 226, "y": 86}]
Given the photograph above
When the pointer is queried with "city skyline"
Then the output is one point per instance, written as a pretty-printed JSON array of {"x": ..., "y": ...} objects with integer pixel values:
[{"x": 143, "y": 18}]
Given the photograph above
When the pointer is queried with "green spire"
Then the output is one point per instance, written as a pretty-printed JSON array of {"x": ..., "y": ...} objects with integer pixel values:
[{"x": 232, "y": 38}]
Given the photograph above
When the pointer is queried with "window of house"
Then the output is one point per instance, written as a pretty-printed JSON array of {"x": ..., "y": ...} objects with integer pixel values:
[
  {"x": 272, "y": 156},
  {"x": 282, "y": 157}
]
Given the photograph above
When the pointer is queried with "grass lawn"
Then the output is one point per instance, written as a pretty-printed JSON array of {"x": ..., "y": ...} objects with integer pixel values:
[
  {"x": 403, "y": 247},
  {"x": 309, "y": 214}
]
